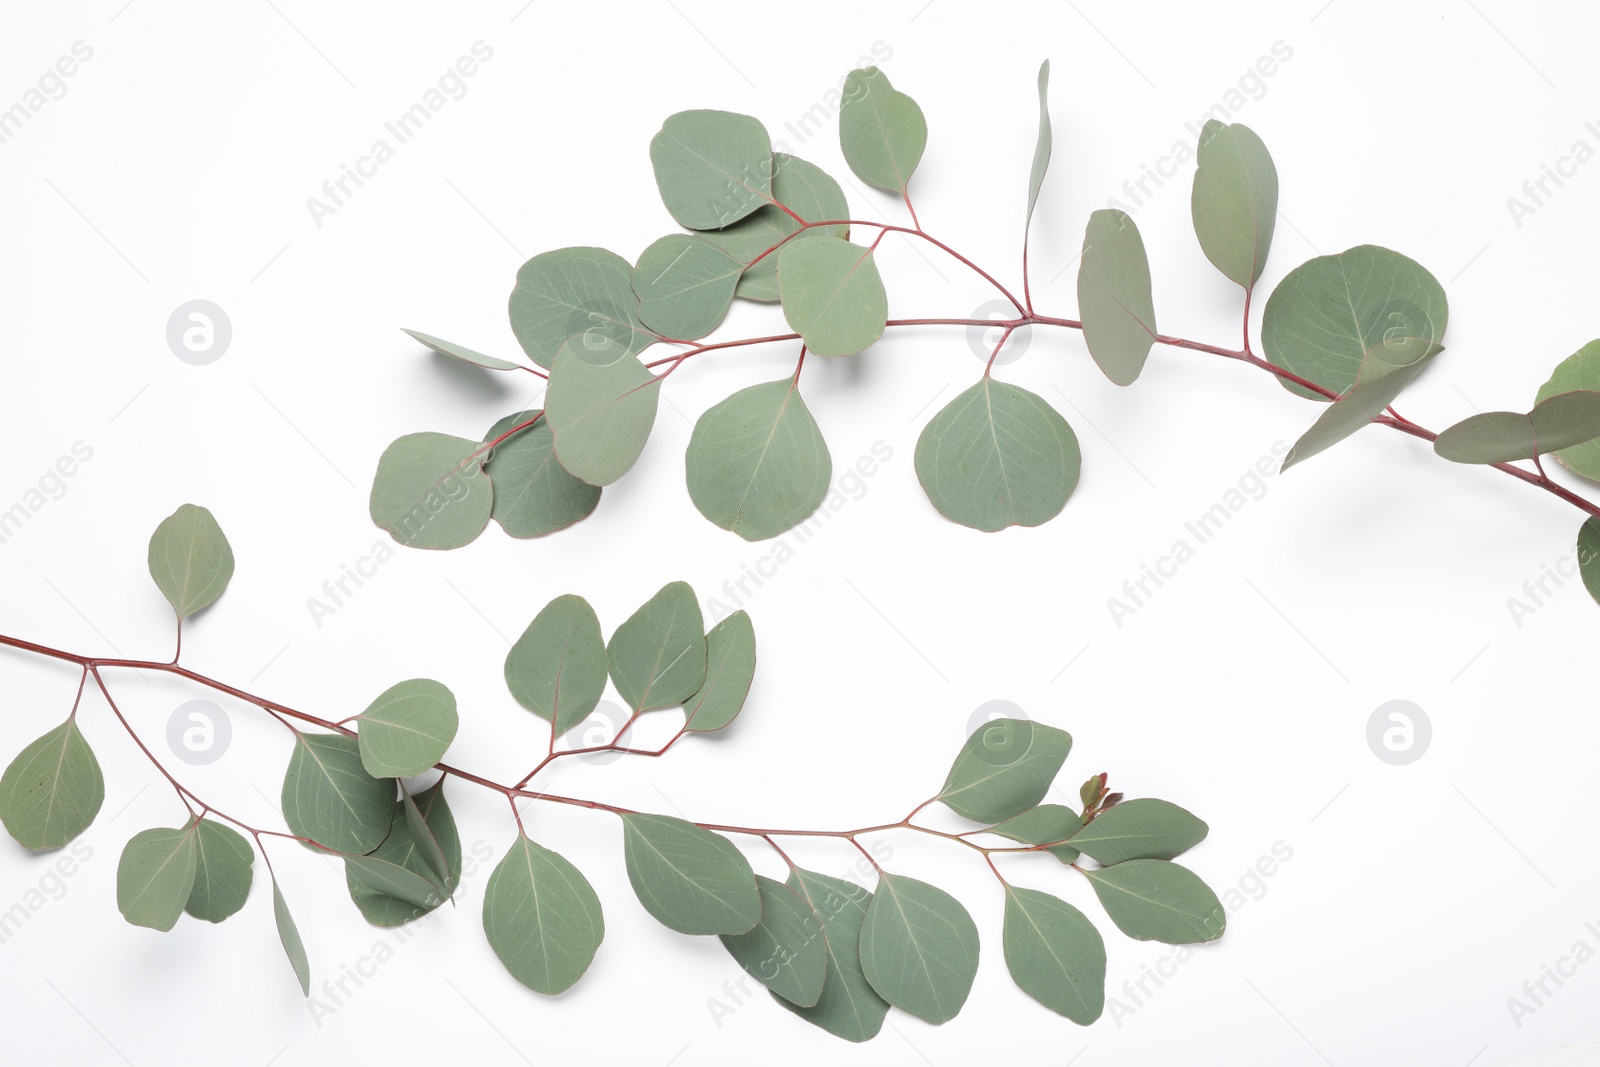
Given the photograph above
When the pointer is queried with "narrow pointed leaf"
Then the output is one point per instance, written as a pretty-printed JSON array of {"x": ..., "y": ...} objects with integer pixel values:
[
  {"x": 1235, "y": 200},
  {"x": 421, "y": 820},
  {"x": 423, "y": 827},
  {"x": 1041, "y": 825},
  {"x": 692, "y": 880},
  {"x": 541, "y": 917},
  {"x": 1042, "y": 148},
  {"x": 1559, "y": 421},
  {"x": 461, "y": 352},
  {"x": 833, "y": 296},
  {"x": 1140, "y": 830},
  {"x": 1157, "y": 900},
  {"x": 712, "y": 167},
  {"x": 223, "y": 861},
  {"x": 1384, "y": 375},
  {"x": 289, "y": 935},
  {"x": 1114, "y": 302},
  {"x": 329, "y": 797},
  {"x": 557, "y": 668},
  {"x": 534, "y": 494},
  {"x": 658, "y": 657},
  {"x": 574, "y": 292},
  {"x": 685, "y": 285},
  {"x": 190, "y": 559},
  {"x": 1054, "y": 954},
  {"x": 786, "y": 950},
  {"x": 730, "y": 668},
  {"x": 919, "y": 948},
  {"x": 1578, "y": 372},
  {"x": 156, "y": 875},
  {"x": 881, "y": 130},
  {"x": 601, "y": 405},
  {"x": 997, "y": 456},
  {"x": 1004, "y": 768},
  {"x": 393, "y": 880},
  {"x": 804, "y": 189},
  {"x": 53, "y": 790},
  {"x": 757, "y": 463},
  {"x": 407, "y": 728},
  {"x": 430, "y": 491},
  {"x": 849, "y": 1007}
]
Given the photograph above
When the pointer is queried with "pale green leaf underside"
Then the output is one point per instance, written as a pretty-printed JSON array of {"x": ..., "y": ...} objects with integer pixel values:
[
  {"x": 881, "y": 130},
  {"x": 804, "y": 189},
  {"x": 786, "y": 950},
  {"x": 685, "y": 285},
  {"x": 849, "y": 1007},
  {"x": 1004, "y": 768},
  {"x": 407, "y": 728},
  {"x": 691, "y": 880},
  {"x": 1579, "y": 371},
  {"x": 1055, "y": 954},
  {"x": 730, "y": 668},
  {"x": 156, "y": 875},
  {"x": 1557, "y": 422},
  {"x": 833, "y": 296},
  {"x": 534, "y": 494},
  {"x": 1114, "y": 301},
  {"x": 430, "y": 491},
  {"x": 52, "y": 790},
  {"x": 542, "y": 917},
  {"x": 919, "y": 948},
  {"x": 658, "y": 656},
  {"x": 1157, "y": 900},
  {"x": 289, "y": 935},
  {"x": 461, "y": 352},
  {"x": 601, "y": 406},
  {"x": 571, "y": 292},
  {"x": 1140, "y": 830},
  {"x": 190, "y": 559},
  {"x": 1042, "y": 825},
  {"x": 1235, "y": 200},
  {"x": 223, "y": 860},
  {"x": 712, "y": 167},
  {"x": 996, "y": 456},
  {"x": 557, "y": 669},
  {"x": 757, "y": 463},
  {"x": 329, "y": 797}
]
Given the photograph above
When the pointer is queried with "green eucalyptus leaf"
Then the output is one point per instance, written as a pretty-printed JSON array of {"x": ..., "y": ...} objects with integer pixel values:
[
  {"x": 1157, "y": 900},
  {"x": 1140, "y": 830},
  {"x": 1043, "y": 147},
  {"x": 692, "y": 880},
  {"x": 1004, "y": 768},
  {"x": 832, "y": 296},
  {"x": 713, "y": 167},
  {"x": 785, "y": 951},
  {"x": 1556, "y": 422},
  {"x": 432, "y": 834},
  {"x": 730, "y": 668},
  {"x": 1328, "y": 313},
  {"x": 430, "y": 491},
  {"x": 156, "y": 875},
  {"x": 461, "y": 352},
  {"x": 573, "y": 292},
  {"x": 1114, "y": 302},
  {"x": 541, "y": 917},
  {"x": 881, "y": 130},
  {"x": 223, "y": 860},
  {"x": 1235, "y": 200},
  {"x": 190, "y": 559},
  {"x": 533, "y": 493},
  {"x": 757, "y": 463},
  {"x": 1054, "y": 954},
  {"x": 808, "y": 192},
  {"x": 407, "y": 729},
  {"x": 997, "y": 456},
  {"x": 289, "y": 935},
  {"x": 1589, "y": 555},
  {"x": 1578, "y": 372},
  {"x": 849, "y": 1007},
  {"x": 1384, "y": 375},
  {"x": 53, "y": 790},
  {"x": 392, "y": 880},
  {"x": 919, "y": 948},
  {"x": 557, "y": 668},
  {"x": 658, "y": 657},
  {"x": 1042, "y": 825},
  {"x": 685, "y": 285},
  {"x": 423, "y": 842},
  {"x": 601, "y": 405},
  {"x": 329, "y": 798}
]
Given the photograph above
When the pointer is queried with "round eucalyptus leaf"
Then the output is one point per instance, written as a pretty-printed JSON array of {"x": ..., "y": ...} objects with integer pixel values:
[
  {"x": 156, "y": 875},
  {"x": 808, "y": 192},
  {"x": 190, "y": 559},
  {"x": 541, "y": 917},
  {"x": 407, "y": 728},
  {"x": 881, "y": 130},
  {"x": 557, "y": 669},
  {"x": 658, "y": 656},
  {"x": 223, "y": 860},
  {"x": 430, "y": 491},
  {"x": 1157, "y": 900},
  {"x": 574, "y": 292},
  {"x": 692, "y": 880},
  {"x": 53, "y": 789},
  {"x": 1235, "y": 200},
  {"x": 1004, "y": 768},
  {"x": 919, "y": 948},
  {"x": 832, "y": 296},
  {"x": 601, "y": 406},
  {"x": 757, "y": 463},
  {"x": 1054, "y": 954},
  {"x": 534, "y": 495},
  {"x": 713, "y": 167},
  {"x": 330, "y": 799},
  {"x": 685, "y": 285}
]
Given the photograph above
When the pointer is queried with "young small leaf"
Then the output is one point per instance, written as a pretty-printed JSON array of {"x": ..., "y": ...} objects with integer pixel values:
[
  {"x": 1235, "y": 200},
  {"x": 190, "y": 559},
  {"x": 849, "y": 1007},
  {"x": 1157, "y": 900},
  {"x": 881, "y": 130},
  {"x": 713, "y": 167},
  {"x": 576, "y": 291},
  {"x": 1140, "y": 830},
  {"x": 692, "y": 880},
  {"x": 786, "y": 950},
  {"x": 156, "y": 875},
  {"x": 430, "y": 491},
  {"x": 541, "y": 917},
  {"x": 53, "y": 790},
  {"x": 223, "y": 861},
  {"x": 685, "y": 285},
  {"x": 1055, "y": 954},
  {"x": 534, "y": 494},
  {"x": 730, "y": 668},
  {"x": 557, "y": 668},
  {"x": 329, "y": 797},
  {"x": 601, "y": 406},
  {"x": 407, "y": 728},
  {"x": 658, "y": 657},
  {"x": 1005, "y": 767},
  {"x": 833, "y": 295},
  {"x": 461, "y": 352},
  {"x": 1114, "y": 302},
  {"x": 919, "y": 948},
  {"x": 289, "y": 935}
]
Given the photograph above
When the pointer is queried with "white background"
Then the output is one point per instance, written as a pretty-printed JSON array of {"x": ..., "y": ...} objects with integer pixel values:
[{"x": 1418, "y": 898}]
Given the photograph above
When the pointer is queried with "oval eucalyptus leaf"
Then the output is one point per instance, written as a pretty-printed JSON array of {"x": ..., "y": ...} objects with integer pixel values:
[
  {"x": 1114, "y": 302},
  {"x": 757, "y": 463},
  {"x": 156, "y": 875},
  {"x": 1054, "y": 954},
  {"x": 541, "y": 917},
  {"x": 461, "y": 352},
  {"x": 1042, "y": 148},
  {"x": 713, "y": 167},
  {"x": 601, "y": 405},
  {"x": 808, "y": 192},
  {"x": 1329, "y": 312},
  {"x": 407, "y": 729},
  {"x": 534, "y": 494},
  {"x": 1235, "y": 200},
  {"x": 425, "y": 842},
  {"x": 557, "y": 668},
  {"x": 1140, "y": 830},
  {"x": 1004, "y": 768},
  {"x": 289, "y": 936},
  {"x": 881, "y": 130},
  {"x": 53, "y": 790},
  {"x": 430, "y": 491},
  {"x": 786, "y": 950},
  {"x": 658, "y": 657},
  {"x": 997, "y": 456},
  {"x": 849, "y": 1007},
  {"x": 1378, "y": 384},
  {"x": 571, "y": 292},
  {"x": 1042, "y": 825},
  {"x": 685, "y": 285},
  {"x": 190, "y": 559},
  {"x": 1157, "y": 900},
  {"x": 1556, "y": 422},
  {"x": 330, "y": 799},
  {"x": 692, "y": 880},
  {"x": 1589, "y": 556},
  {"x": 919, "y": 948},
  {"x": 730, "y": 668},
  {"x": 223, "y": 860},
  {"x": 832, "y": 296},
  {"x": 1578, "y": 372}
]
